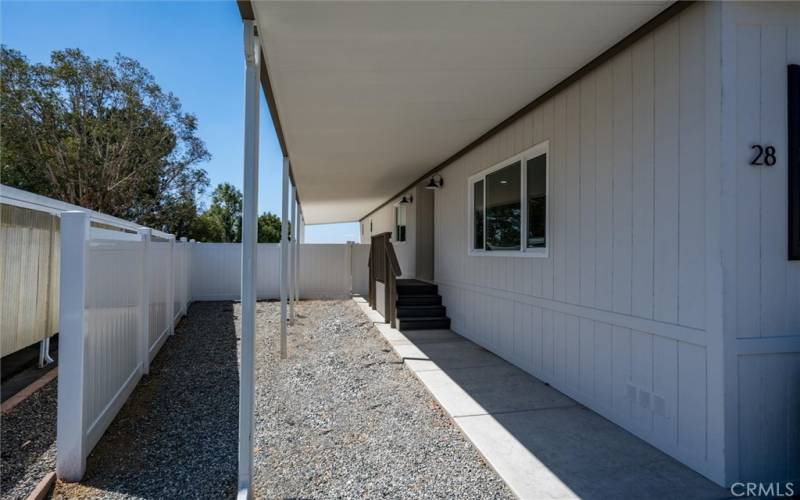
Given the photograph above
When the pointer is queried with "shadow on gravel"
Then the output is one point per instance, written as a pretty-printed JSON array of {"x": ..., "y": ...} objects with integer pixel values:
[
  {"x": 176, "y": 437},
  {"x": 28, "y": 442}
]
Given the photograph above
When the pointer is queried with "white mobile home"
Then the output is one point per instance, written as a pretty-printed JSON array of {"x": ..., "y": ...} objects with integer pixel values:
[{"x": 615, "y": 194}]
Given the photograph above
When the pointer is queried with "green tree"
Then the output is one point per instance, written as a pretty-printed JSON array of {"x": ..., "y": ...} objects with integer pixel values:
[
  {"x": 222, "y": 221},
  {"x": 269, "y": 228},
  {"x": 102, "y": 135}
]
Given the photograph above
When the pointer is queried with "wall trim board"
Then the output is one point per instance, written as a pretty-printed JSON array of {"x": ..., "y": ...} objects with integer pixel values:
[
  {"x": 768, "y": 345},
  {"x": 671, "y": 331}
]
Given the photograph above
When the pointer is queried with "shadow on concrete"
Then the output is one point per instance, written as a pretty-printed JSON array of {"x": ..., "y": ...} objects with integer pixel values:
[{"x": 567, "y": 449}]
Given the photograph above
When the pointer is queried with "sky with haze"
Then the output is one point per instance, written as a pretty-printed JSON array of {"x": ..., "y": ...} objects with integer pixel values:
[{"x": 193, "y": 49}]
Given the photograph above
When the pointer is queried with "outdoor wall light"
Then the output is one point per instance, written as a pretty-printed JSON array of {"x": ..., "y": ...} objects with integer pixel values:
[{"x": 436, "y": 182}]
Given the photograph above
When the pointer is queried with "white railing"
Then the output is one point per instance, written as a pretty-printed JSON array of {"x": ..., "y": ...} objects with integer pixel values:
[
  {"x": 326, "y": 270},
  {"x": 121, "y": 294}
]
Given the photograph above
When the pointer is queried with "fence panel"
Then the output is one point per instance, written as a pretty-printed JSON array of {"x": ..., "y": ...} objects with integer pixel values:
[
  {"x": 216, "y": 271},
  {"x": 112, "y": 360},
  {"x": 117, "y": 295},
  {"x": 360, "y": 269},
  {"x": 325, "y": 270},
  {"x": 158, "y": 261}
]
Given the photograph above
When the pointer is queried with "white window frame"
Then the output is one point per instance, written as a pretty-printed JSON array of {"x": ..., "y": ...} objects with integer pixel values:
[
  {"x": 394, "y": 226},
  {"x": 523, "y": 157}
]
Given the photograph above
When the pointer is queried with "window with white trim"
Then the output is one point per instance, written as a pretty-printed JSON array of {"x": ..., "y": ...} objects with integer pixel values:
[{"x": 508, "y": 206}]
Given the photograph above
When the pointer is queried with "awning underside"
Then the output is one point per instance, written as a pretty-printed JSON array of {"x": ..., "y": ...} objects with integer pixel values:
[{"x": 371, "y": 96}]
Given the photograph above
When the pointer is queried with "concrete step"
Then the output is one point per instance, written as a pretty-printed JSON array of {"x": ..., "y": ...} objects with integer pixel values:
[
  {"x": 421, "y": 311},
  {"x": 423, "y": 323}
]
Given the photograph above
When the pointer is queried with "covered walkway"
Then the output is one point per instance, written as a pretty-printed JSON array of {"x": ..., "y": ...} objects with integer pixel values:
[{"x": 542, "y": 443}]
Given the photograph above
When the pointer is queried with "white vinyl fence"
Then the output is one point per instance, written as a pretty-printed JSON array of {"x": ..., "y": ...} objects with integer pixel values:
[
  {"x": 121, "y": 294},
  {"x": 120, "y": 289},
  {"x": 326, "y": 270}
]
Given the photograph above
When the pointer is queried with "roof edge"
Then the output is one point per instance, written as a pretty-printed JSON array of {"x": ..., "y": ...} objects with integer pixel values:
[{"x": 247, "y": 14}]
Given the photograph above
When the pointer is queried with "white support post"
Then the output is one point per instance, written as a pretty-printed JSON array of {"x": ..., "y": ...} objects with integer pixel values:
[
  {"x": 71, "y": 425},
  {"x": 301, "y": 237},
  {"x": 171, "y": 286},
  {"x": 144, "y": 301},
  {"x": 292, "y": 259},
  {"x": 249, "y": 260},
  {"x": 296, "y": 276},
  {"x": 284, "y": 254}
]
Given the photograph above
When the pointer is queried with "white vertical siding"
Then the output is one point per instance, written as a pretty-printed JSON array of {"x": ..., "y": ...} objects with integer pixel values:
[
  {"x": 666, "y": 187},
  {"x": 383, "y": 222},
  {"x": 762, "y": 287},
  {"x": 619, "y": 304}
]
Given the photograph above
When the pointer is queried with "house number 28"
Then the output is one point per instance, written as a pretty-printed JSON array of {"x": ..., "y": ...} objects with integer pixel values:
[{"x": 764, "y": 155}]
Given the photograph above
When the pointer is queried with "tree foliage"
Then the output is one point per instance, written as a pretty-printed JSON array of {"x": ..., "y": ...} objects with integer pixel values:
[
  {"x": 102, "y": 135},
  {"x": 269, "y": 228},
  {"x": 222, "y": 221}
]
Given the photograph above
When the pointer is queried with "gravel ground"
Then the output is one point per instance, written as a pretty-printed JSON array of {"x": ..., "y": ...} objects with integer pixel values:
[
  {"x": 28, "y": 443},
  {"x": 176, "y": 437},
  {"x": 341, "y": 418}
]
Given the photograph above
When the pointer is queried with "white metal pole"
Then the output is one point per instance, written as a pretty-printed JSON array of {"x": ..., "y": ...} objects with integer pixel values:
[
  {"x": 301, "y": 228},
  {"x": 292, "y": 259},
  {"x": 296, "y": 276},
  {"x": 249, "y": 260},
  {"x": 144, "y": 301},
  {"x": 284, "y": 254},
  {"x": 70, "y": 426}
]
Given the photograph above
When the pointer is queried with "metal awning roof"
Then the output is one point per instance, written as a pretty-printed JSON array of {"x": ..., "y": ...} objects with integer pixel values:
[{"x": 368, "y": 97}]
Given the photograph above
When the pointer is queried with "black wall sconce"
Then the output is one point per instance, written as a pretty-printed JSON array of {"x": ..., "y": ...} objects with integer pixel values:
[
  {"x": 405, "y": 200},
  {"x": 436, "y": 182}
]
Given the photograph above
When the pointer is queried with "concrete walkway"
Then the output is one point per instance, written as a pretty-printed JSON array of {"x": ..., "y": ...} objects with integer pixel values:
[{"x": 542, "y": 443}]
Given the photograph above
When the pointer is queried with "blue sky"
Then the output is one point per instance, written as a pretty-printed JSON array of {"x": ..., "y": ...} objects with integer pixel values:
[{"x": 194, "y": 50}]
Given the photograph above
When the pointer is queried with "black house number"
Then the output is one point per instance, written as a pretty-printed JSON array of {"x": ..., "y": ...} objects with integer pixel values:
[{"x": 763, "y": 155}]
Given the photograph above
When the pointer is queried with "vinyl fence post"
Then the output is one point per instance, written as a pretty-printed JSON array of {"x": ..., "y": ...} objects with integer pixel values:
[
  {"x": 71, "y": 425},
  {"x": 349, "y": 267},
  {"x": 185, "y": 275},
  {"x": 189, "y": 293},
  {"x": 144, "y": 302},
  {"x": 171, "y": 286}
]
